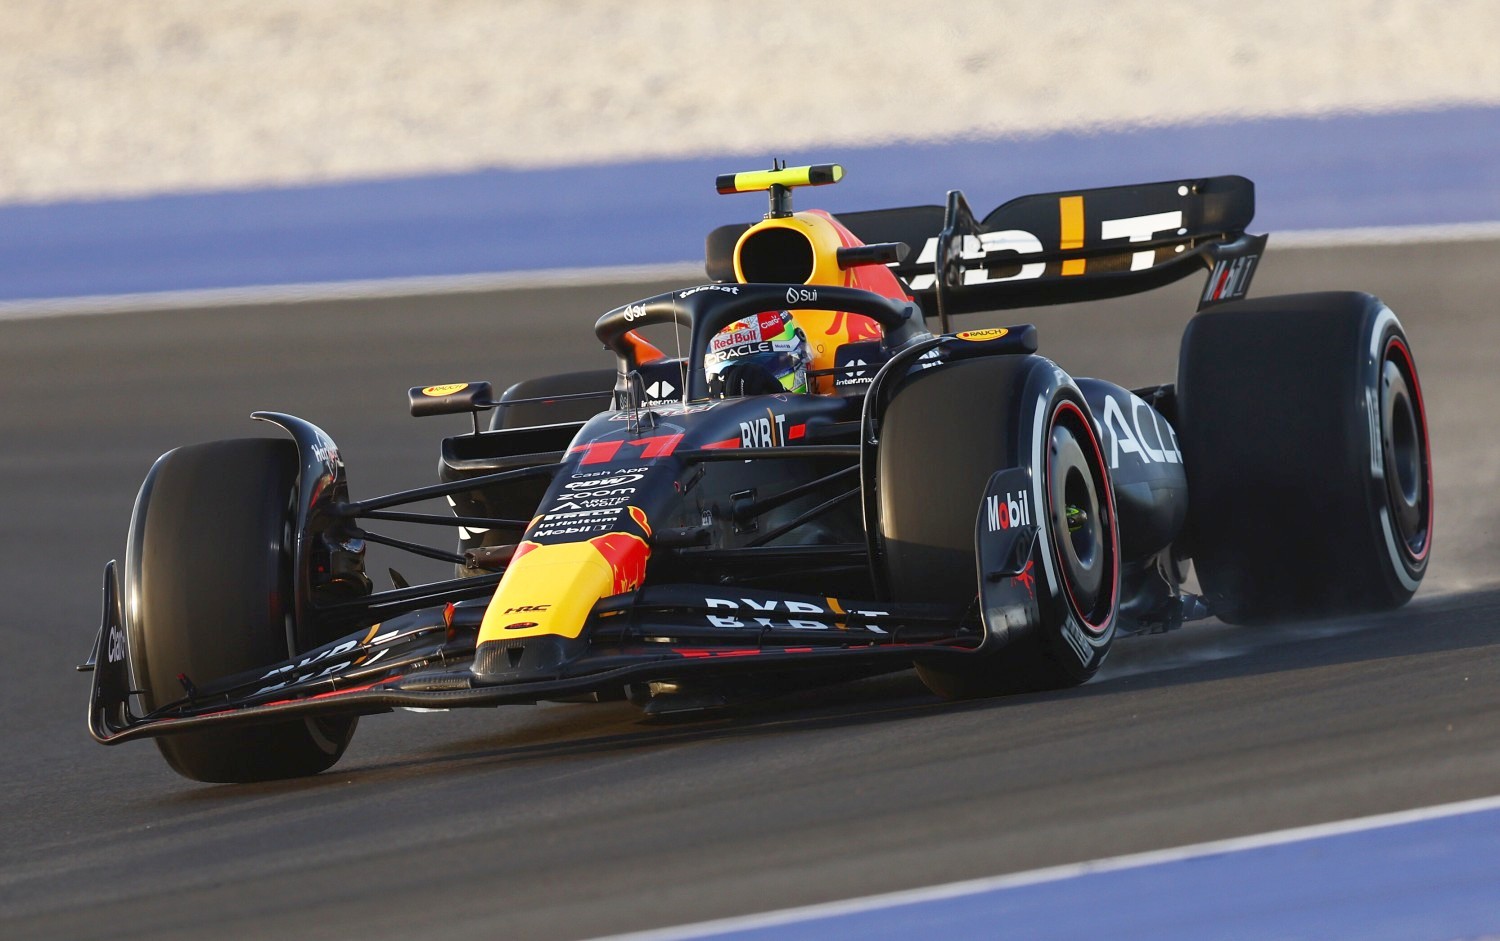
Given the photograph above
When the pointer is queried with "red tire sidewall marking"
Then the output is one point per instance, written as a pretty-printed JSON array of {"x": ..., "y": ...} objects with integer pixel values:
[
  {"x": 1397, "y": 343},
  {"x": 1107, "y": 487}
]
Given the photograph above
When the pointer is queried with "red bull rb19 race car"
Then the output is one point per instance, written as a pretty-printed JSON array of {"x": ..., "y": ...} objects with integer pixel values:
[{"x": 828, "y": 482}]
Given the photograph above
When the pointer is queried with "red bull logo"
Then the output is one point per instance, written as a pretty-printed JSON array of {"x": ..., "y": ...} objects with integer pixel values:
[
  {"x": 626, "y": 556},
  {"x": 626, "y": 553},
  {"x": 639, "y": 516}
]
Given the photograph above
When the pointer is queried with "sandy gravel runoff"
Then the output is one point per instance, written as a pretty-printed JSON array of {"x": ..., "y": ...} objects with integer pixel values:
[{"x": 117, "y": 97}]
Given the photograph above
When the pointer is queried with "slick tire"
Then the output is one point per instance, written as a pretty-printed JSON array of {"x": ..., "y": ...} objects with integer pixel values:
[
  {"x": 1304, "y": 438},
  {"x": 209, "y": 560},
  {"x": 532, "y": 414},
  {"x": 946, "y": 432}
]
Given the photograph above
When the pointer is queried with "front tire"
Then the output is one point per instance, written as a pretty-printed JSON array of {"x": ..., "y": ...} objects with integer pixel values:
[
  {"x": 942, "y": 438},
  {"x": 210, "y": 594}
]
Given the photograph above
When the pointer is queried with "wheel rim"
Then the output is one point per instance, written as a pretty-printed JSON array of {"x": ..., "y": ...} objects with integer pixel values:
[
  {"x": 1079, "y": 518},
  {"x": 1403, "y": 439}
]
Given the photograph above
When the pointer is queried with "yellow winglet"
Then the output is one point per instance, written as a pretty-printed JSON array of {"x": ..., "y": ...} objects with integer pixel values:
[{"x": 753, "y": 181}]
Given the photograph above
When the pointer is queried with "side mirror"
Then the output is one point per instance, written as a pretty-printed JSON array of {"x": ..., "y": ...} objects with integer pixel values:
[{"x": 450, "y": 399}]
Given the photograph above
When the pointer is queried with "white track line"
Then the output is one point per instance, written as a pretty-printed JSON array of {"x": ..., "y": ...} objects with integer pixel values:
[
  {"x": 1058, "y": 873},
  {"x": 575, "y": 277},
  {"x": 348, "y": 290},
  {"x": 1387, "y": 235}
]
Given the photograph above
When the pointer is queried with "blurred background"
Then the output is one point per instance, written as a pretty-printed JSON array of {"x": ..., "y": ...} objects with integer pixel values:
[{"x": 184, "y": 145}]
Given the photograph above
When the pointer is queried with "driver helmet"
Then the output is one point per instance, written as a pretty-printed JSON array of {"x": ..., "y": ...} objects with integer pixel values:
[{"x": 760, "y": 355}]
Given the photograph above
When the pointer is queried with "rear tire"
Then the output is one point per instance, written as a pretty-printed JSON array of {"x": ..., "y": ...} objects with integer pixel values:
[
  {"x": 210, "y": 561},
  {"x": 944, "y": 435},
  {"x": 1304, "y": 439}
]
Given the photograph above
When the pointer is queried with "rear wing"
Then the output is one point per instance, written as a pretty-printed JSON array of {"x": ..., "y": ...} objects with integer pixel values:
[{"x": 1059, "y": 248}]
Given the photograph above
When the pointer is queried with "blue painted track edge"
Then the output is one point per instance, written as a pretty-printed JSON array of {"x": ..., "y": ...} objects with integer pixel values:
[{"x": 971, "y": 887}]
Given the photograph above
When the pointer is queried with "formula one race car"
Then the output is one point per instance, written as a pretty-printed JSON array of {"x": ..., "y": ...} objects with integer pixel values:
[{"x": 822, "y": 488}]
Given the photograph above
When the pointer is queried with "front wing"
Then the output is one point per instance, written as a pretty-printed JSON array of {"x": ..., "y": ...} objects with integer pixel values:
[{"x": 423, "y": 659}]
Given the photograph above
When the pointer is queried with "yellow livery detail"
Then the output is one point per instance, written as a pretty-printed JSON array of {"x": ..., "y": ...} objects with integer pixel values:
[
  {"x": 752, "y": 181},
  {"x": 549, "y": 590},
  {"x": 1070, "y": 213},
  {"x": 988, "y": 333},
  {"x": 447, "y": 389},
  {"x": 801, "y": 248}
]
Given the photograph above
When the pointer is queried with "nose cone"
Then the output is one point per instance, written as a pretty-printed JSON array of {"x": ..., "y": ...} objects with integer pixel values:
[{"x": 543, "y": 603}]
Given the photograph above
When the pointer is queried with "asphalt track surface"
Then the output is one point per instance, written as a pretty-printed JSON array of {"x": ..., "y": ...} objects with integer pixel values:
[{"x": 571, "y": 821}]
